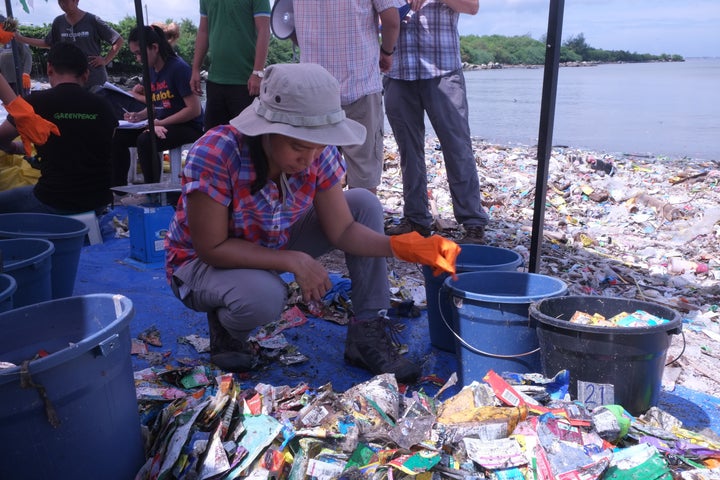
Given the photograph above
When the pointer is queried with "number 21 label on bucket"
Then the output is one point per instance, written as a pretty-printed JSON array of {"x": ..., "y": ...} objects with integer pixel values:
[{"x": 595, "y": 394}]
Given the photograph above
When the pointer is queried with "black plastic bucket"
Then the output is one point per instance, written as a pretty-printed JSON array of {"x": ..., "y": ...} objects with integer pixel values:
[{"x": 622, "y": 365}]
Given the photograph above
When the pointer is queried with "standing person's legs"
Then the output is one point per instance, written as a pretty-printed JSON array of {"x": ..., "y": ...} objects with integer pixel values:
[
  {"x": 445, "y": 100},
  {"x": 406, "y": 115},
  {"x": 224, "y": 102},
  {"x": 365, "y": 162}
]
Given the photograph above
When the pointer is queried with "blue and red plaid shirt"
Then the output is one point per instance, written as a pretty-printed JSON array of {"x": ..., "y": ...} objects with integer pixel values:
[
  {"x": 428, "y": 45},
  {"x": 219, "y": 165}
]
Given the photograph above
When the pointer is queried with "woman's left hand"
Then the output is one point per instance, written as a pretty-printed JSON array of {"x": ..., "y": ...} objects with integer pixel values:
[{"x": 160, "y": 131}]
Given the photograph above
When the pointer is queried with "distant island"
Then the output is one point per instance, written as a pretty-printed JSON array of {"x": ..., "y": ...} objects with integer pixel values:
[
  {"x": 489, "y": 51},
  {"x": 523, "y": 50}
]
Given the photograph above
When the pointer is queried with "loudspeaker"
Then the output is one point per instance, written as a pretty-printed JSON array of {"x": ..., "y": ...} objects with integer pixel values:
[{"x": 282, "y": 21}]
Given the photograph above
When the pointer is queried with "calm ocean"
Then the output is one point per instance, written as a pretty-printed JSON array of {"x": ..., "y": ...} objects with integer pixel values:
[{"x": 670, "y": 109}]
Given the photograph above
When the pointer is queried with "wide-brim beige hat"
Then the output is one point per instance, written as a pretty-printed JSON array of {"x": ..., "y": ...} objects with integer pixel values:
[{"x": 300, "y": 100}]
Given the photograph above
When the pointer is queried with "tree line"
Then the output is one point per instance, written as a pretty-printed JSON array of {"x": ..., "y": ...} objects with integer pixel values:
[{"x": 477, "y": 50}]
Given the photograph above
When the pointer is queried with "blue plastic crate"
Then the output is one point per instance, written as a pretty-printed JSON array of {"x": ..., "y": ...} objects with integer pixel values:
[{"x": 148, "y": 228}]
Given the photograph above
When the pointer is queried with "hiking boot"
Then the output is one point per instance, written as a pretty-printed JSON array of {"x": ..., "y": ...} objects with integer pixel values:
[
  {"x": 473, "y": 234},
  {"x": 406, "y": 226},
  {"x": 228, "y": 353},
  {"x": 370, "y": 344}
]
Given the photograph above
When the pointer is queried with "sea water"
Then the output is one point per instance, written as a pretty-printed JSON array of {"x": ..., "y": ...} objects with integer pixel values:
[{"x": 640, "y": 108}]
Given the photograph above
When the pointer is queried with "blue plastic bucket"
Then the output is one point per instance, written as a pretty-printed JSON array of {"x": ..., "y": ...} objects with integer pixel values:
[
  {"x": 67, "y": 234},
  {"x": 472, "y": 258},
  {"x": 28, "y": 261},
  {"x": 494, "y": 331},
  {"x": 8, "y": 285},
  {"x": 88, "y": 425}
]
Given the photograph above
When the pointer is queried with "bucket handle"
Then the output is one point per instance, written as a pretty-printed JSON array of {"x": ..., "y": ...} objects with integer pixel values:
[
  {"x": 108, "y": 345},
  {"x": 471, "y": 347}
]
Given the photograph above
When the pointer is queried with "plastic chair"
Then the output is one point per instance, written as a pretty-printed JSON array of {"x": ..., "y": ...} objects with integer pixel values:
[
  {"x": 175, "y": 164},
  {"x": 133, "y": 175},
  {"x": 90, "y": 219}
]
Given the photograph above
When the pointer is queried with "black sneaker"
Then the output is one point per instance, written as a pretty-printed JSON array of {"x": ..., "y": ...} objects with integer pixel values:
[
  {"x": 473, "y": 234},
  {"x": 369, "y": 344},
  {"x": 406, "y": 226},
  {"x": 228, "y": 353}
]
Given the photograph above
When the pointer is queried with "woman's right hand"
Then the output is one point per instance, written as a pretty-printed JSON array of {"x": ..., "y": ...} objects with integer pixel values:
[{"x": 312, "y": 278}]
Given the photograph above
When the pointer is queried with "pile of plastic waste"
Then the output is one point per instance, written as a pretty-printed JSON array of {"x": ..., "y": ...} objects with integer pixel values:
[{"x": 514, "y": 426}]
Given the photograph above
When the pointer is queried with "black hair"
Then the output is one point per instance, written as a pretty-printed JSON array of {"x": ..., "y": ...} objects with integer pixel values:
[
  {"x": 257, "y": 156},
  {"x": 154, "y": 35},
  {"x": 67, "y": 58}
]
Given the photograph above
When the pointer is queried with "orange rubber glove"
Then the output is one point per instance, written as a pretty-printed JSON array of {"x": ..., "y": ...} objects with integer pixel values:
[
  {"x": 26, "y": 81},
  {"x": 31, "y": 126},
  {"x": 435, "y": 251},
  {"x": 6, "y": 37}
]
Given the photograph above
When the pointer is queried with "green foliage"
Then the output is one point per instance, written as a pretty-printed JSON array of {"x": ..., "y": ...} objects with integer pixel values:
[
  {"x": 515, "y": 50},
  {"x": 524, "y": 50},
  {"x": 186, "y": 43},
  {"x": 281, "y": 51},
  {"x": 39, "y": 55}
]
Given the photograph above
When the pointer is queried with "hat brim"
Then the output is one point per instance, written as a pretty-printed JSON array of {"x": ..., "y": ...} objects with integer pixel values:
[{"x": 346, "y": 132}]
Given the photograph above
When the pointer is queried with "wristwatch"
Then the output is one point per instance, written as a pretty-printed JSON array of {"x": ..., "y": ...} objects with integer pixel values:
[{"x": 259, "y": 73}]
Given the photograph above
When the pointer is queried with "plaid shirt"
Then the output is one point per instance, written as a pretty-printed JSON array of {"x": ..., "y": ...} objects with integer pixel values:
[
  {"x": 219, "y": 165},
  {"x": 428, "y": 45},
  {"x": 343, "y": 38}
]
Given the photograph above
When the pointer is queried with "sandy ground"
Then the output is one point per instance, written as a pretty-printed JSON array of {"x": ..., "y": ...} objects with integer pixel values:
[{"x": 641, "y": 227}]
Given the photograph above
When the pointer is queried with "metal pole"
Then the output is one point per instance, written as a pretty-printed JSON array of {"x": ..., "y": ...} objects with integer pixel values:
[
  {"x": 15, "y": 53},
  {"x": 547, "y": 117},
  {"x": 157, "y": 166}
]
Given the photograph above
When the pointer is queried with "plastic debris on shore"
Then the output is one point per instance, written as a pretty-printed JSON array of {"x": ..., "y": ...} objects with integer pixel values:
[
  {"x": 637, "y": 226},
  {"x": 510, "y": 426},
  {"x": 638, "y": 318}
]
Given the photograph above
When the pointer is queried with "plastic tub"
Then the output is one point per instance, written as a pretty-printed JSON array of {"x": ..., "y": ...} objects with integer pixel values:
[
  {"x": 66, "y": 233},
  {"x": 29, "y": 262},
  {"x": 79, "y": 417},
  {"x": 494, "y": 331},
  {"x": 622, "y": 365},
  {"x": 472, "y": 258},
  {"x": 8, "y": 285}
]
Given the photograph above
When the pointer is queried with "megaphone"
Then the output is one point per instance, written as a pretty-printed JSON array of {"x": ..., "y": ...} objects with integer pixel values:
[{"x": 282, "y": 20}]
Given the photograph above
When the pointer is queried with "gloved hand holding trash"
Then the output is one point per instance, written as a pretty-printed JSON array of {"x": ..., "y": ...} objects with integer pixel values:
[
  {"x": 31, "y": 126},
  {"x": 435, "y": 251}
]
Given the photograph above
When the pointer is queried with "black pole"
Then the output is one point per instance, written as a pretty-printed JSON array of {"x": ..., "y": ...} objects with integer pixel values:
[
  {"x": 16, "y": 56},
  {"x": 18, "y": 71},
  {"x": 156, "y": 166},
  {"x": 547, "y": 117}
]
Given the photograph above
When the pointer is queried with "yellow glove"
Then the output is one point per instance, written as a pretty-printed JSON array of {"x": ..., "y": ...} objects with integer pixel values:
[
  {"x": 435, "y": 251},
  {"x": 31, "y": 126},
  {"x": 6, "y": 37},
  {"x": 26, "y": 83}
]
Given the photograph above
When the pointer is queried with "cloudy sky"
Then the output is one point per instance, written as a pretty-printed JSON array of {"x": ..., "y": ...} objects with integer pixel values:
[{"x": 685, "y": 27}]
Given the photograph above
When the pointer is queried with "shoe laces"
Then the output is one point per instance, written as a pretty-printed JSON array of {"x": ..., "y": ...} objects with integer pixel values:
[{"x": 387, "y": 332}]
